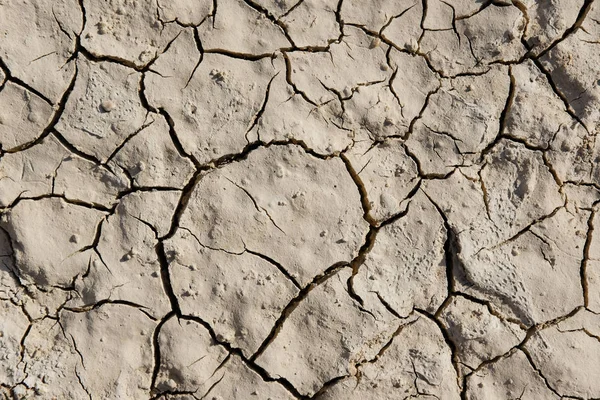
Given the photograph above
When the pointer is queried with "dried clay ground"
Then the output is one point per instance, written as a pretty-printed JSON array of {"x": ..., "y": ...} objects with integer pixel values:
[{"x": 313, "y": 199}]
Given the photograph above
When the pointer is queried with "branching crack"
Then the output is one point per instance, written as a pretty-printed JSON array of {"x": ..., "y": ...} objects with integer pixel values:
[
  {"x": 258, "y": 207},
  {"x": 586, "y": 257}
]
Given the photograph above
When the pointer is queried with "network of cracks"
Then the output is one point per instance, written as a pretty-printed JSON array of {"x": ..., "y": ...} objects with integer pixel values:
[{"x": 274, "y": 199}]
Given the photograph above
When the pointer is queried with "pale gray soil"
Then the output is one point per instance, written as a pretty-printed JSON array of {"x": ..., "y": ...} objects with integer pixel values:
[{"x": 300, "y": 199}]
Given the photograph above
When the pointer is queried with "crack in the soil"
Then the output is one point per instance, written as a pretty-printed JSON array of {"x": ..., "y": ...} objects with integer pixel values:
[
  {"x": 451, "y": 245},
  {"x": 586, "y": 257}
]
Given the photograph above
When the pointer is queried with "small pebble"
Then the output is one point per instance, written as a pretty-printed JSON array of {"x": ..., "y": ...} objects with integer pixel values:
[{"x": 108, "y": 105}]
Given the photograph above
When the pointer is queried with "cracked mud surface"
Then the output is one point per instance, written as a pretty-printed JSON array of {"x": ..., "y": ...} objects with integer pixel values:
[{"x": 311, "y": 199}]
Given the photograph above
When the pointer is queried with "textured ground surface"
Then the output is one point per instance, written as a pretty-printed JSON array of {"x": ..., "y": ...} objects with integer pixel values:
[{"x": 271, "y": 199}]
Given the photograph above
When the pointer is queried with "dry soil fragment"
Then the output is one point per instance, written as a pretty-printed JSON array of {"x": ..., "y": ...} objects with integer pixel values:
[
  {"x": 439, "y": 16},
  {"x": 593, "y": 266},
  {"x": 479, "y": 335},
  {"x": 152, "y": 160},
  {"x": 412, "y": 83},
  {"x": 9, "y": 283},
  {"x": 175, "y": 66},
  {"x": 192, "y": 362},
  {"x": 214, "y": 110},
  {"x": 33, "y": 302},
  {"x": 86, "y": 124},
  {"x": 461, "y": 119},
  {"x": 534, "y": 277},
  {"x": 287, "y": 115},
  {"x": 184, "y": 11},
  {"x": 437, "y": 153},
  {"x": 345, "y": 67},
  {"x": 326, "y": 336},
  {"x": 49, "y": 239},
  {"x": 497, "y": 254},
  {"x": 388, "y": 108},
  {"x": 126, "y": 30},
  {"x": 128, "y": 268},
  {"x": 29, "y": 173},
  {"x": 417, "y": 364},
  {"x": 520, "y": 188},
  {"x": 23, "y": 116},
  {"x": 548, "y": 21},
  {"x": 83, "y": 180},
  {"x": 153, "y": 207},
  {"x": 188, "y": 357},
  {"x": 517, "y": 190},
  {"x": 313, "y": 23},
  {"x": 301, "y": 211},
  {"x": 388, "y": 174},
  {"x": 239, "y": 295},
  {"x": 462, "y": 201},
  {"x": 406, "y": 267},
  {"x": 114, "y": 343},
  {"x": 374, "y": 112},
  {"x": 51, "y": 363},
  {"x": 581, "y": 197},
  {"x": 575, "y": 72},
  {"x": 380, "y": 13},
  {"x": 584, "y": 320},
  {"x": 575, "y": 155},
  {"x": 537, "y": 113},
  {"x": 403, "y": 28},
  {"x": 42, "y": 303},
  {"x": 511, "y": 377},
  {"x": 468, "y": 109},
  {"x": 492, "y": 35},
  {"x": 37, "y": 40},
  {"x": 239, "y": 28},
  {"x": 13, "y": 328},
  {"x": 568, "y": 355}
]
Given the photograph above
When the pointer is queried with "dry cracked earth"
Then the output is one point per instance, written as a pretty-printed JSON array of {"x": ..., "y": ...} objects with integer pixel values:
[{"x": 276, "y": 199}]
